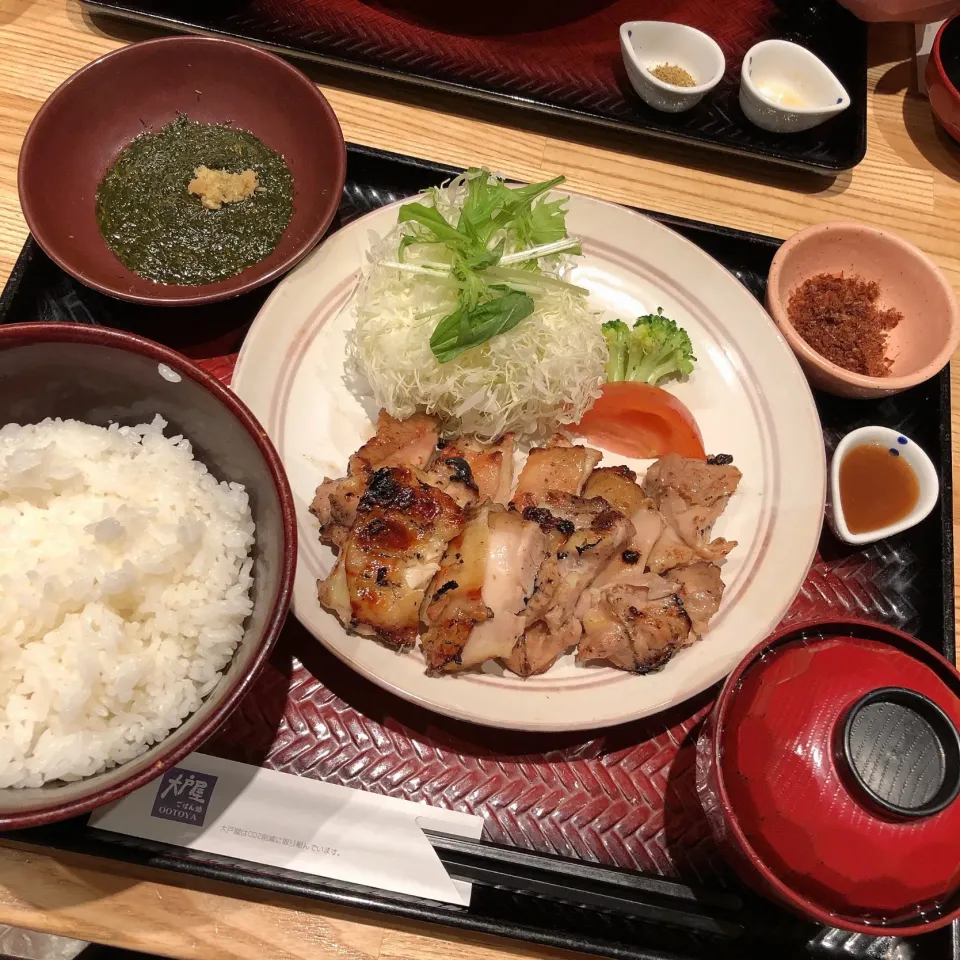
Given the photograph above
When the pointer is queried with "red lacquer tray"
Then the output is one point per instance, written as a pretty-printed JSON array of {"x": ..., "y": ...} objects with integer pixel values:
[
  {"x": 554, "y": 56},
  {"x": 623, "y": 797}
]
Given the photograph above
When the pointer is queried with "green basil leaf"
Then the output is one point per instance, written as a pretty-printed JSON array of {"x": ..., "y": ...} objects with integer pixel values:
[
  {"x": 446, "y": 336},
  {"x": 465, "y": 329},
  {"x": 489, "y": 206}
]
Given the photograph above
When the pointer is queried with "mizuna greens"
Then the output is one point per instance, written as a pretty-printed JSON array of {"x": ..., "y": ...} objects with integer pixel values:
[
  {"x": 495, "y": 288},
  {"x": 466, "y": 311}
]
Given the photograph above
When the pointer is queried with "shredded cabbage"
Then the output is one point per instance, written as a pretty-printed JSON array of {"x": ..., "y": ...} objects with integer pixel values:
[{"x": 544, "y": 372}]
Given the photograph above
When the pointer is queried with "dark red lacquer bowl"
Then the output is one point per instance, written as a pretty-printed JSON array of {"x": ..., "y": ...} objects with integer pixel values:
[
  {"x": 829, "y": 770},
  {"x": 90, "y": 118},
  {"x": 101, "y": 376},
  {"x": 943, "y": 76}
]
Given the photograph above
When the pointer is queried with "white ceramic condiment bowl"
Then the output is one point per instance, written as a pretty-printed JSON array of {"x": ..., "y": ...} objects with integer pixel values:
[
  {"x": 922, "y": 466},
  {"x": 647, "y": 44},
  {"x": 784, "y": 88}
]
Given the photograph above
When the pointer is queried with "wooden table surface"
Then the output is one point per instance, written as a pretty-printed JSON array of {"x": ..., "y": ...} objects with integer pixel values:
[{"x": 910, "y": 181}]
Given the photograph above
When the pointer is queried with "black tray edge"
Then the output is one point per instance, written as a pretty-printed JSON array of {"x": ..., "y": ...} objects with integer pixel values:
[
  {"x": 9, "y": 293},
  {"x": 176, "y": 25}
]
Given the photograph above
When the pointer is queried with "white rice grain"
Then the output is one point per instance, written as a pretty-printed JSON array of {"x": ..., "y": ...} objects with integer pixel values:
[{"x": 125, "y": 581}]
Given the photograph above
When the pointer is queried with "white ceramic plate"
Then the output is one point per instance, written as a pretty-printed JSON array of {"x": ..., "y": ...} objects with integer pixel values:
[{"x": 747, "y": 393}]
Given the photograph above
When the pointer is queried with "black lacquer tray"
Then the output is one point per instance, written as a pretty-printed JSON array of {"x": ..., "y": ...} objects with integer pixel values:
[
  {"x": 560, "y": 58},
  {"x": 614, "y": 858}
]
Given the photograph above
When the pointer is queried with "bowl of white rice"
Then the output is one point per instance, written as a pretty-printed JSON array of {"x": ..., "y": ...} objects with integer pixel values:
[{"x": 147, "y": 552}]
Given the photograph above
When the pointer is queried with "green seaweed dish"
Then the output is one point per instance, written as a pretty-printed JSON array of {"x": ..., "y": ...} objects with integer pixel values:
[{"x": 162, "y": 232}]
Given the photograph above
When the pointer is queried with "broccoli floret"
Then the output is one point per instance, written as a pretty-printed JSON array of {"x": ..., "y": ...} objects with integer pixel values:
[
  {"x": 654, "y": 349},
  {"x": 618, "y": 338},
  {"x": 659, "y": 350}
]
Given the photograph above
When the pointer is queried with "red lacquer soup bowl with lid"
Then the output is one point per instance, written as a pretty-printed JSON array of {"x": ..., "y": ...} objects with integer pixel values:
[{"x": 829, "y": 770}]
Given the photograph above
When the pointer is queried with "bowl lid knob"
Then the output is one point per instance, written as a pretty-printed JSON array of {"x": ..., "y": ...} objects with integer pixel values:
[{"x": 901, "y": 753}]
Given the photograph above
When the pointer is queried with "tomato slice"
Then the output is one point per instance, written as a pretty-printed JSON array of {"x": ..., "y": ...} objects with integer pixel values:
[{"x": 640, "y": 421}]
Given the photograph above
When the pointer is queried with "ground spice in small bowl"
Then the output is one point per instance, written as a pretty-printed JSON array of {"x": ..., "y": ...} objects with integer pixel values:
[
  {"x": 672, "y": 74},
  {"x": 838, "y": 317}
]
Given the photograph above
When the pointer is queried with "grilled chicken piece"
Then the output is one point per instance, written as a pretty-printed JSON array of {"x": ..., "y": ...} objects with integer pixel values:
[
  {"x": 538, "y": 649},
  {"x": 699, "y": 482},
  {"x": 454, "y": 477},
  {"x": 690, "y": 494},
  {"x": 389, "y": 557},
  {"x": 669, "y": 552},
  {"x": 559, "y": 466},
  {"x": 692, "y": 525},
  {"x": 591, "y": 610},
  {"x": 618, "y": 486},
  {"x": 471, "y": 471},
  {"x": 661, "y": 617},
  {"x": 632, "y": 629},
  {"x": 516, "y": 549},
  {"x": 490, "y": 463},
  {"x": 454, "y": 603},
  {"x": 474, "y": 607},
  {"x": 407, "y": 442},
  {"x": 456, "y": 590},
  {"x": 335, "y": 505},
  {"x": 582, "y": 536},
  {"x": 656, "y": 587},
  {"x": 648, "y": 526},
  {"x": 701, "y": 590},
  {"x": 399, "y": 443}
]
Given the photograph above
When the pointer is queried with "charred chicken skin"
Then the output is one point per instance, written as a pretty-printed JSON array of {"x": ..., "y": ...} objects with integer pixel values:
[{"x": 433, "y": 545}]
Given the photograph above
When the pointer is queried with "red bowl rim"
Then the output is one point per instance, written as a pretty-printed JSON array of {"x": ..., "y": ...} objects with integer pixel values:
[
  {"x": 46, "y": 332},
  {"x": 721, "y": 709},
  {"x": 937, "y": 61},
  {"x": 227, "y": 288}
]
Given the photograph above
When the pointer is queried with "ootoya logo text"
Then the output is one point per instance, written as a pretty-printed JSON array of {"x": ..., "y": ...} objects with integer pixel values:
[{"x": 184, "y": 796}]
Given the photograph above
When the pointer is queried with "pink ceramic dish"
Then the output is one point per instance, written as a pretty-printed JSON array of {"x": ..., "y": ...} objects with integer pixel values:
[
  {"x": 943, "y": 75},
  {"x": 101, "y": 376},
  {"x": 922, "y": 343}
]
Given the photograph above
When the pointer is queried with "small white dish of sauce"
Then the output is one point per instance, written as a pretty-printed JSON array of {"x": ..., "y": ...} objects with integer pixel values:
[
  {"x": 784, "y": 88},
  {"x": 881, "y": 483}
]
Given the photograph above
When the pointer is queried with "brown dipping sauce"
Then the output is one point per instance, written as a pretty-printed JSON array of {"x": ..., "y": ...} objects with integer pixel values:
[{"x": 877, "y": 487}]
